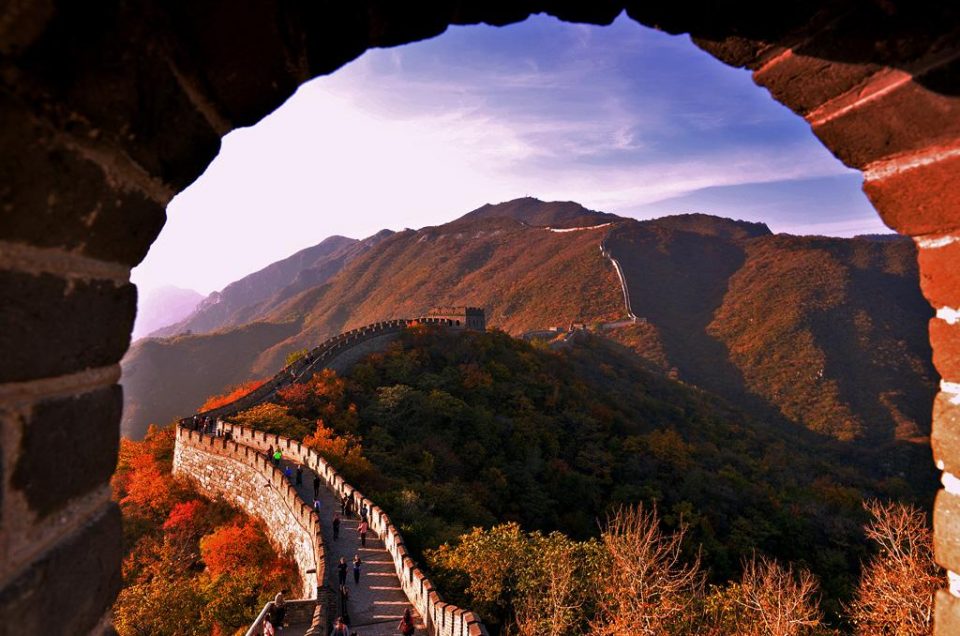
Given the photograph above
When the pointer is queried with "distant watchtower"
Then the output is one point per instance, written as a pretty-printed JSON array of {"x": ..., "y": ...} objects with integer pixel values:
[{"x": 464, "y": 317}]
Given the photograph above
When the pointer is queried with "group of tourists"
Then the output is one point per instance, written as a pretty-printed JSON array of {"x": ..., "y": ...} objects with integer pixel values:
[
  {"x": 341, "y": 627},
  {"x": 205, "y": 424},
  {"x": 406, "y": 626}
]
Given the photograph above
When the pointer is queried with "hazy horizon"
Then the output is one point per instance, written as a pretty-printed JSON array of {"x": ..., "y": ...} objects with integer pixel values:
[{"x": 620, "y": 119}]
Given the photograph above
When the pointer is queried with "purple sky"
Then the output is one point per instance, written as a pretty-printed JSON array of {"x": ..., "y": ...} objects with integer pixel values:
[{"x": 622, "y": 119}]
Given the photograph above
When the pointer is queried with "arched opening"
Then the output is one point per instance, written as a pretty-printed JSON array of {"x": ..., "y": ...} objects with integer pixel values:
[{"x": 102, "y": 151}]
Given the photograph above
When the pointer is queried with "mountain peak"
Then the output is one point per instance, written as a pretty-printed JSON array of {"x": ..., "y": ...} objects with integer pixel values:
[
  {"x": 533, "y": 211},
  {"x": 710, "y": 225}
]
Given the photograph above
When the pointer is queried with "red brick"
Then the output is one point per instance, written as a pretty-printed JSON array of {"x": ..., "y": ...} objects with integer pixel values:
[
  {"x": 946, "y": 620},
  {"x": 906, "y": 119},
  {"x": 940, "y": 274},
  {"x": 945, "y": 434},
  {"x": 804, "y": 83},
  {"x": 923, "y": 200},
  {"x": 945, "y": 339},
  {"x": 946, "y": 530}
]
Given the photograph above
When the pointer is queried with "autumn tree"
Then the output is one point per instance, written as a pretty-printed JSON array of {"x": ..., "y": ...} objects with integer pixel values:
[
  {"x": 232, "y": 394},
  {"x": 777, "y": 600},
  {"x": 897, "y": 587},
  {"x": 646, "y": 588}
]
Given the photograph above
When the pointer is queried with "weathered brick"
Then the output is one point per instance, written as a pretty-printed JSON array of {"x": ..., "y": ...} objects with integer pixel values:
[
  {"x": 945, "y": 339},
  {"x": 907, "y": 118},
  {"x": 946, "y": 620},
  {"x": 922, "y": 200},
  {"x": 68, "y": 448},
  {"x": 940, "y": 274},
  {"x": 67, "y": 590},
  {"x": 946, "y": 530},
  {"x": 50, "y": 326},
  {"x": 945, "y": 433},
  {"x": 51, "y": 196},
  {"x": 804, "y": 83}
]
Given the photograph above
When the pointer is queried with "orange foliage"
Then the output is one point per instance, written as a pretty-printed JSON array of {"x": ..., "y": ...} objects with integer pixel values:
[
  {"x": 229, "y": 548},
  {"x": 233, "y": 393},
  {"x": 147, "y": 485},
  {"x": 344, "y": 451},
  {"x": 184, "y": 516}
]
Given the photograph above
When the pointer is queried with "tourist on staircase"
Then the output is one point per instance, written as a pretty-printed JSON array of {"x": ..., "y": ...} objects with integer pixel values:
[
  {"x": 342, "y": 571},
  {"x": 406, "y": 626},
  {"x": 356, "y": 569},
  {"x": 279, "y": 610},
  {"x": 336, "y": 526},
  {"x": 363, "y": 528},
  {"x": 340, "y": 628},
  {"x": 316, "y": 486}
]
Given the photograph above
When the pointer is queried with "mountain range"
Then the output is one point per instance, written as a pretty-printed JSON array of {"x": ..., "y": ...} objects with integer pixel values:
[{"x": 827, "y": 334}]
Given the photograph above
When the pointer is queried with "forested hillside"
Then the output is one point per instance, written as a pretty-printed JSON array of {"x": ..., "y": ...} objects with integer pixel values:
[
  {"x": 448, "y": 431},
  {"x": 824, "y": 333}
]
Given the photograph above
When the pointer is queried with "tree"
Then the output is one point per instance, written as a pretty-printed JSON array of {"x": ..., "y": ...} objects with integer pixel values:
[
  {"x": 232, "y": 394},
  {"x": 897, "y": 587},
  {"x": 273, "y": 418},
  {"x": 777, "y": 600},
  {"x": 645, "y": 588}
]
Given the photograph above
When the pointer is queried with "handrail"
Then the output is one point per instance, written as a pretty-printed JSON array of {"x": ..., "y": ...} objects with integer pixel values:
[{"x": 258, "y": 622}]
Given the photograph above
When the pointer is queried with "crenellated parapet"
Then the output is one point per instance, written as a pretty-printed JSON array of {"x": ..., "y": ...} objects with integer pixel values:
[
  {"x": 441, "y": 618},
  {"x": 220, "y": 467},
  {"x": 233, "y": 464}
]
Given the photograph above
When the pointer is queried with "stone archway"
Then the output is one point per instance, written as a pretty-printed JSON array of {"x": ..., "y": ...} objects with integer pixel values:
[{"x": 108, "y": 109}]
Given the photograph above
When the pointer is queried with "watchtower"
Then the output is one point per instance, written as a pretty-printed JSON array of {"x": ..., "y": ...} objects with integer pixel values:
[{"x": 463, "y": 317}]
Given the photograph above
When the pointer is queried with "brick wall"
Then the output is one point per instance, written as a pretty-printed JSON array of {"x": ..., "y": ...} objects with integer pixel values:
[
  {"x": 246, "y": 479},
  {"x": 442, "y": 619},
  {"x": 108, "y": 109}
]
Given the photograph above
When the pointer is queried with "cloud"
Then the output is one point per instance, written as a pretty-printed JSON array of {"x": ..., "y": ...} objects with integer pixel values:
[{"x": 620, "y": 120}]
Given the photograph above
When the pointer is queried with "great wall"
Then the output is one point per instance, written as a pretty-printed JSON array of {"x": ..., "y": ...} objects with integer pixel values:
[{"x": 232, "y": 463}]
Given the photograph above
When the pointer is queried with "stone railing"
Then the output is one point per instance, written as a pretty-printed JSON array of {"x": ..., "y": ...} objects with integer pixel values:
[
  {"x": 298, "y": 613},
  {"x": 243, "y": 476},
  {"x": 321, "y": 356},
  {"x": 441, "y": 619}
]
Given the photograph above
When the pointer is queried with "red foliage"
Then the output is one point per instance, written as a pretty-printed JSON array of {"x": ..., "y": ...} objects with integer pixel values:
[
  {"x": 231, "y": 547},
  {"x": 233, "y": 393},
  {"x": 184, "y": 516}
]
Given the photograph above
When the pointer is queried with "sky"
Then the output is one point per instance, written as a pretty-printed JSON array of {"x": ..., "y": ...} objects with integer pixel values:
[{"x": 621, "y": 119}]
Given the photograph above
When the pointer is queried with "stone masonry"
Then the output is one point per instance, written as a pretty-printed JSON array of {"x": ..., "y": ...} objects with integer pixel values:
[
  {"x": 109, "y": 109},
  {"x": 245, "y": 478}
]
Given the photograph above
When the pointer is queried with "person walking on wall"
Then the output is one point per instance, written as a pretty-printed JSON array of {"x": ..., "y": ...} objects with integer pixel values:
[
  {"x": 279, "y": 609},
  {"x": 268, "y": 628},
  {"x": 363, "y": 528},
  {"x": 342, "y": 571},
  {"x": 336, "y": 526},
  {"x": 277, "y": 456},
  {"x": 343, "y": 505},
  {"x": 356, "y": 569},
  {"x": 316, "y": 505},
  {"x": 406, "y": 626},
  {"x": 363, "y": 512},
  {"x": 340, "y": 628},
  {"x": 299, "y": 474},
  {"x": 316, "y": 486}
]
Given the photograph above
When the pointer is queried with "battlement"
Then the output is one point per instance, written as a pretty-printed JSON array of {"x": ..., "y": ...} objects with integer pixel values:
[{"x": 464, "y": 317}]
